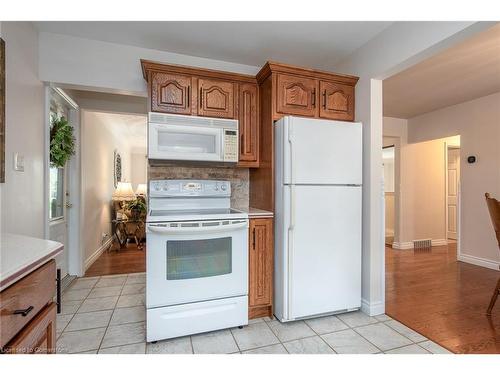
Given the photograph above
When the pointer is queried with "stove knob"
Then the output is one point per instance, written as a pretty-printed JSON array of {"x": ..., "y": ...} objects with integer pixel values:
[
  {"x": 216, "y": 188},
  {"x": 157, "y": 187},
  {"x": 223, "y": 187}
]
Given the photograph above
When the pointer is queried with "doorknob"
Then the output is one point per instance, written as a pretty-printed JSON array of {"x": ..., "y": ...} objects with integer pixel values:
[{"x": 68, "y": 205}]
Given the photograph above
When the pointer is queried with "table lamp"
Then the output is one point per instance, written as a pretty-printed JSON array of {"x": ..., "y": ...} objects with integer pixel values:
[
  {"x": 122, "y": 193},
  {"x": 141, "y": 190}
]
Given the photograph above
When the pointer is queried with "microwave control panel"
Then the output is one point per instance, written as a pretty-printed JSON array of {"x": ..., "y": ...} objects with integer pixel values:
[{"x": 231, "y": 145}]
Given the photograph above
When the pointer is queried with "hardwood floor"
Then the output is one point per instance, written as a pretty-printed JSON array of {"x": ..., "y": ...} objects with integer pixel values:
[
  {"x": 127, "y": 260},
  {"x": 443, "y": 299}
]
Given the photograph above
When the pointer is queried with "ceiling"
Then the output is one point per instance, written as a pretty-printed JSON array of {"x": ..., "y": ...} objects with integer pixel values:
[
  {"x": 314, "y": 44},
  {"x": 461, "y": 73}
]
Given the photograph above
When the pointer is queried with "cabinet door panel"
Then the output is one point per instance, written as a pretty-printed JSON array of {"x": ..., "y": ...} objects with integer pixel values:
[
  {"x": 216, "y": 98},
  {"x": 337, "y": 101},
  {"x": 171, "y": 93},
  {"x": 39, "y": 336},
  {"x": 31, "y": 293},
  {"x": 248, "y": 125},
  {"x": 296, "y": 95},
  {"x": 260, "y": 262}
]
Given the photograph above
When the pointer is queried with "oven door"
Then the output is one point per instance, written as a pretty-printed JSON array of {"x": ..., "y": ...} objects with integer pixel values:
[
  {"x": 196, "y": 261},
  {"x": 177, "y": 142}
]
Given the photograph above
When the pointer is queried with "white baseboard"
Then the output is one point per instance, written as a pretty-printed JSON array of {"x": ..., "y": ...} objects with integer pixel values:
[
  {"x": 372, "y": 309},
  {"x": 440, "y": 242},
  {"x": 91, "y": 259},
  {"x": 402, "y": 245},
  {"x": 479, "y": 261},
  {"x": 409, "y": 245}
]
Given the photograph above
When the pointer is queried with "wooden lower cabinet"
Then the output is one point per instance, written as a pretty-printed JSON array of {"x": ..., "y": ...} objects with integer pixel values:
[
  {"x": 260, "y": 247},
  {"x": 39, "y": 336},
  {"x": 28, "y": 313}
]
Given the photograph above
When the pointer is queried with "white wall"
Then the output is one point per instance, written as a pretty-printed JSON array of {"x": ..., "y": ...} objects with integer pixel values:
[
  {"x": 139, "y": 165},
  {"x": 478, "y": 124},
  {"x": 110, "y": 66},
  {"x": 98, "y": 145},
  {"x": 22, "y": 195}
]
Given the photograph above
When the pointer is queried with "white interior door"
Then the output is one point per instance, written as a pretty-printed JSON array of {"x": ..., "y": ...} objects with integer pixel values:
[
  {"x": 58, "y": 223},
  {"x": 334, "y": 148},
  {"x": 452, "y": 193},
  {"x": 324, "y": 250}
]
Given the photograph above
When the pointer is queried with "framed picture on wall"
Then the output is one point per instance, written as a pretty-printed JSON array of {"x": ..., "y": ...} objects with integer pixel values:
[
  {"x": 117, "y": 166},
  {"x": 2, "y": 110}
]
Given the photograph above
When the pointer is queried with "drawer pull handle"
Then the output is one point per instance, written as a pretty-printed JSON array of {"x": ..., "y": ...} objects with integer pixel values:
[{"x": 23, "y": 312}]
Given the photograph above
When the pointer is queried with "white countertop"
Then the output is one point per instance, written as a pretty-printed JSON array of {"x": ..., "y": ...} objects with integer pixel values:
[
  {"x": 257, "y": 212},
  {"x": 20, "y": 255}
]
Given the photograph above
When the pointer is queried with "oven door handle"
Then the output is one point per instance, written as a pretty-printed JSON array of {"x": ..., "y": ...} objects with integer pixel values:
[{"x": 199, "y": 229}]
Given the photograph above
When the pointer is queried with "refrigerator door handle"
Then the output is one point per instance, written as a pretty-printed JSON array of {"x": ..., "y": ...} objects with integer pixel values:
[{"x": 292, "y": 164}]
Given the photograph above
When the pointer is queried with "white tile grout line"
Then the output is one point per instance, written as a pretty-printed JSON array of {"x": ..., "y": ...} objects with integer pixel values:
[
  {"x": 317, "y": 334},
  {"x": 275, "y": 335},
  {"x": 234, "y": 338},
  {"x": 111, "y": 317}
]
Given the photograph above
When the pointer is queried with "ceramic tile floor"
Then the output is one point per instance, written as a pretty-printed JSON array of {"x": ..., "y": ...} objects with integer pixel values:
[{"x": 106, "y": 315}]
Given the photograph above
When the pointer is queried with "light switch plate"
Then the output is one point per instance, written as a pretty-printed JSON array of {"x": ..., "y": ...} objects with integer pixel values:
[{"x": 18, "y": 162}]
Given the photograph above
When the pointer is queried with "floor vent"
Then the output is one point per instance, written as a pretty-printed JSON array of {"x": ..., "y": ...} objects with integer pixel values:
[{"x": 422, "y": 244}]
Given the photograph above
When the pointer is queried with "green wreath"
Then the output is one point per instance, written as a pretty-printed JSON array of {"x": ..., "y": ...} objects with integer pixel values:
[{"x": 62, "y": 142}]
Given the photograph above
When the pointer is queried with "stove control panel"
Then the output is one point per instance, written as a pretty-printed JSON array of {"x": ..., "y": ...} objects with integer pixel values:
[{"x": 187, "y": 188}]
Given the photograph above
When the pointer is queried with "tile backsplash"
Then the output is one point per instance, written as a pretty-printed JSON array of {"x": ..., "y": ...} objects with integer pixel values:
[{"x": 239, "y": 178}]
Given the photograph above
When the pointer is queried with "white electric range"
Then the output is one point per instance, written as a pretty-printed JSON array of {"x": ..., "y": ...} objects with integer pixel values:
[{"x": 196, "y": 260}]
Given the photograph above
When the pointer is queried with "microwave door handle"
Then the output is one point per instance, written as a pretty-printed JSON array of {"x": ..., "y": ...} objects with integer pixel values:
[{"x": 200, "y": 229}]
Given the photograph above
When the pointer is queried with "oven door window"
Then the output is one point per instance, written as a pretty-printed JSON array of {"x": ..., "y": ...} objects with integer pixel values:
[{"x": 194, "y": 259}]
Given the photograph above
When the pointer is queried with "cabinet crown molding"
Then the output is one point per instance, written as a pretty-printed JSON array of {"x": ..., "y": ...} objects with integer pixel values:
[
  {"x": 276, "y": 67},
  {"x": 153, "y": 66}
]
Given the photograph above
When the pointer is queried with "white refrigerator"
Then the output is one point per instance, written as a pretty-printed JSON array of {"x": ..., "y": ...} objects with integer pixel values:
[{"x": 317, "y": 217}]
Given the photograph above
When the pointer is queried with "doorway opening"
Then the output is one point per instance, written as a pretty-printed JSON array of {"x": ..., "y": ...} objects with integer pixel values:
[
  {"x": 102, "y": 230},
  {"x": 114, "y": 204}
]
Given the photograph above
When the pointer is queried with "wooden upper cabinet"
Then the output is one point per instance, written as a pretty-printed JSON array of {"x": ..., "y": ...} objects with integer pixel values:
[
  {"x": 171, "y": 93},
  {"x": 248, "y": 125},
  {"x": 216, "y": 98},
  {"x": 260, "y": 262},
  {"x": 296, "y": 95},
  {"x": 337, "y": 101}
]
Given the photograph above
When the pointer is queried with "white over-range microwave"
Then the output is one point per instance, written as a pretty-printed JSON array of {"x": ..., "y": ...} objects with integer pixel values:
[{"x": 192, "y": 138}]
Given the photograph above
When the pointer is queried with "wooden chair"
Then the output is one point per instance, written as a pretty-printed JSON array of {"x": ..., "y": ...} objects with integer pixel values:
[{"x": 494, "y": 208}]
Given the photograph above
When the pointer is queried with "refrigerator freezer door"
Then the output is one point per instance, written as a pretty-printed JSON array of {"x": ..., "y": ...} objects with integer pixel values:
[
  {"x": 321, "y": 151},
  {"x": 324, "y": 250}
]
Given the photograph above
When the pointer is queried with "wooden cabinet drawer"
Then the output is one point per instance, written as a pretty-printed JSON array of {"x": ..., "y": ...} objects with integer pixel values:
[
  {"x": 38, "y": 337},
  {"x": 216, "y": 98},
  {"x": 296, "y": 95},
  {"x": 31, "y": 294},
  {"x": 337, "y": 101}
]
